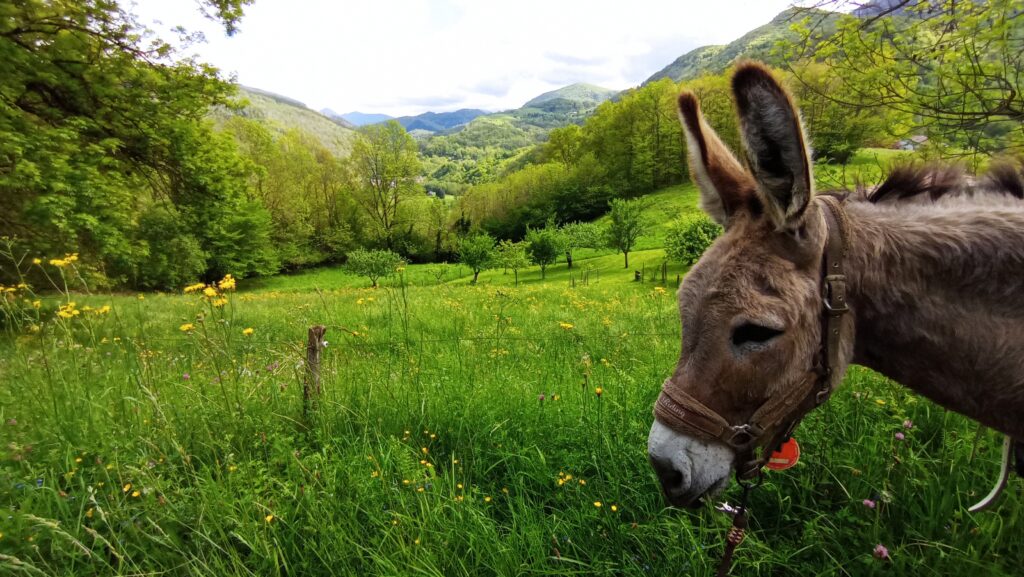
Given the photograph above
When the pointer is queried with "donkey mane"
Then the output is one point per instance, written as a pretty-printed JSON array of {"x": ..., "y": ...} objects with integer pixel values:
[{"x": 931, "y": 182}]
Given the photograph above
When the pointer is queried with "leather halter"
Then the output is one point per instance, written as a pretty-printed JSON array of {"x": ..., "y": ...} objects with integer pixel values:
[{"x": 678, "y": 410}]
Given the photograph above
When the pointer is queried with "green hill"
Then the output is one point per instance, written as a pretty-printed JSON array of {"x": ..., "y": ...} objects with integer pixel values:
[
  {"x": 757, "y": 44},
  {"x": 583, "y": 93},
  {"x": 283, "y": 113}
]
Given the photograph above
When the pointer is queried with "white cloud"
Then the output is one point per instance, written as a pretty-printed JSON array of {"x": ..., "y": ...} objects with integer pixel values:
[{"x": 409, "y": 56}]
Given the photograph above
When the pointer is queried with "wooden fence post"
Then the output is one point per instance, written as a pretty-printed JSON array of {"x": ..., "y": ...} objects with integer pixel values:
[{"x": 311, "y": 386}]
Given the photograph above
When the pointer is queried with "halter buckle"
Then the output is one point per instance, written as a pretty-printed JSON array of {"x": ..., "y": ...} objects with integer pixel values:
[{"x": 744, "y": 435}]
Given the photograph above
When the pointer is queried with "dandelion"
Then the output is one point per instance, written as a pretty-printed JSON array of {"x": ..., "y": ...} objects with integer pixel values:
[
  {"x": 210, "y": 292},
  {"x": 598, "y": 391},
  {"x": 219, "y": 302},
  {"x": 880, "y": 552},
  {"x": 248, "y": 331},
  {"x": 269, "y": 518},
  {"x": 37, "y": 304},
  {"x": 227, "y": 283},
  {"x": 565, "y": 326},
  {"x": 194, "y": 287},
  {"x": 105, "y": 309},
  {"x": 186, "y": 328},
  {"x": 598, "y": 504},
  {"x": 869, "y": 503},
  {"x": 900, "y": 436}
]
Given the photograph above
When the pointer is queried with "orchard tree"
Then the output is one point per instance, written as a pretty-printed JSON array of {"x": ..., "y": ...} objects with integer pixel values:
[
  {"x": 687, "y": 240},
  {"x": 626, "y": 225},
  {"x": 374, "y": 264},
  {"x": 477, "y": 252},
  {"x": 544, "y": 245},
  {"x": 513, "y": 255},
  {"x": 386, "y": 162},
  {"x": 580, "y": 235}
]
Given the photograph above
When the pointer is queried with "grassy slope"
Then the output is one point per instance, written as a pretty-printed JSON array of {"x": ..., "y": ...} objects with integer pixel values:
[{"x": 432, "y": 453}]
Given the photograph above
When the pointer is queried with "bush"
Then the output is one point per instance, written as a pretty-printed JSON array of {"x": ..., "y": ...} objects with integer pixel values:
[
  {"x": 688, "y": 239},
  {"x": 374, "y": 264},
  {"x": 174, "y": 258}
]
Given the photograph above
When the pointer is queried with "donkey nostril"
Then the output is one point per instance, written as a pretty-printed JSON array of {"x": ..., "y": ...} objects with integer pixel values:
[{"x": 672, "y": 478}]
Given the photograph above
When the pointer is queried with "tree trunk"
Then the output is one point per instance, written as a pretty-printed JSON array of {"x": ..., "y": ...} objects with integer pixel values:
[
  {"x": 626, "y": 254},
  {"x": 568, "y": 258},
  {"x": 516, "y": 272},
  {"x": 476, "y": 274}
]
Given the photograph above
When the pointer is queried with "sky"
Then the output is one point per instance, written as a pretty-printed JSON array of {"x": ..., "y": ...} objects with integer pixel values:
[{"x": 404, "y": 57}]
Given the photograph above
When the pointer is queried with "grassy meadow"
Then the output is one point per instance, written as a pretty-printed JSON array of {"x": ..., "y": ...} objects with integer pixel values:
[{"x": 464, "y": 429}]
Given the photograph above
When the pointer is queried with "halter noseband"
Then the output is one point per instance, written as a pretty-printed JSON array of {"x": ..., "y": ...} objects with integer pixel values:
[{"x": 681, "y": 411}]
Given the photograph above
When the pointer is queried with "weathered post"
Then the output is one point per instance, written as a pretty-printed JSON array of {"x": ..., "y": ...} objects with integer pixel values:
[{"x": 311, "y": 386}]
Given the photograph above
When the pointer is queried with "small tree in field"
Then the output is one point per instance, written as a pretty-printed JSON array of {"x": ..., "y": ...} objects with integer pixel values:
[
  {"x": 513, "y": 255},
  {"x": 544, "y": 245},
  {"x": 626, "y": 226},
  {"x": 477, "y": 252},
  {"x": 374, "y": 264},
  {"x": 687, "y": 240},
  {"x": 580, "y": 235}
]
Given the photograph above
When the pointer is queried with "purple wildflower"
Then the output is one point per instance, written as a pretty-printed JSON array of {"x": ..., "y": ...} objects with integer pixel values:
[
  {"x": 869, "y": 503},
  {"x": 880, "y": 552},
  {"x": 900, "y": 436},
  {"x": 186, "y": 377},
  {"x": 540, "y": 397},
  {"x": 908, "y": 424}
]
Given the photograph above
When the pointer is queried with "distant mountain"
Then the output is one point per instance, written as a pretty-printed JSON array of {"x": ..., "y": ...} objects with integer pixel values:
[
  {"x": 758, "y": 44},
  {"x": 282, "y": 113},
  {"x": 358, "y": 118},
  {"x": 440, "y": 121},
  {"x": 586, "y": 94}
]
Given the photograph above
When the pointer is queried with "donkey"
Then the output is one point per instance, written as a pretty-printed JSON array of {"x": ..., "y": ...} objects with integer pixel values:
[{"x": 924, "y": 284}]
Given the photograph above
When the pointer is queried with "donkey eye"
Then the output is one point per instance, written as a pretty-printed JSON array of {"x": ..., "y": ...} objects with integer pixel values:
[{"x": 753, "y": 334}]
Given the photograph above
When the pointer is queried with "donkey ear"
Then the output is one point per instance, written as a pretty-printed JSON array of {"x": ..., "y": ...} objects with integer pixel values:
[
  {"x": 724, "y": 184},
  {"x": 775, "y": 144}
]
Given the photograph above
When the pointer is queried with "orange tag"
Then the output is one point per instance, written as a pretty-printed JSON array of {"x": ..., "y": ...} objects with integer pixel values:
[{"x": 787, "y": 456}]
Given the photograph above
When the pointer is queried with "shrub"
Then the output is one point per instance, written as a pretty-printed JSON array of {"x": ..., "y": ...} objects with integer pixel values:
[
  {"x": 374, "y": 264},
  {"x": 688, "y": 239}
]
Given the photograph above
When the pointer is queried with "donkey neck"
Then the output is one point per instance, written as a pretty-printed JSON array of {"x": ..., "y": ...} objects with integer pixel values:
[{"x": 937, "y": 293}]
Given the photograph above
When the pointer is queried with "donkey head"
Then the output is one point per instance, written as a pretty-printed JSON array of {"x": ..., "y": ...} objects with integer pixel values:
[{"x": 751, "y": 307}]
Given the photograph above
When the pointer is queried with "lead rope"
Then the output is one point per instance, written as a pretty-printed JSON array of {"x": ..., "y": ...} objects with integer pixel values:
[{"x": 739, "y": 525}]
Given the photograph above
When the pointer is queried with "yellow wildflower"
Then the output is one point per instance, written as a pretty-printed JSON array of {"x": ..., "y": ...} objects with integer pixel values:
[
  {"x": 58, "y": 262},
  {"x": 127, "y": 487},
  {"x": 459, "y": 486},
  {"x": 136, "y": 493},
  {"x": 583, "y": 481},
  {"x": 103, "y": 310},
  {"x": 88, "y": 514},
  {"x": 37, "y": 261},
  {"x": 248, "y": 331},
  {"x": 417, "y": 541},
  {"x": 598, "y": 391},
  {"x": 269, "y": 518},
  {"x": 210, "y": 292},
  {"x": 487, "y": 499},
  {"x": 232, "y": 468},
  {"x": 141, "y": 297},
  {"x": 227, "y": 283},
  {"x": 419, "y": 489},
  {"x": 375, "y": 474},
  {"x": 614, "y": 508},
  {"x": 880, "y": 401},
  {"x": 597, "y": 504},
  {"x": 219, "y": 302},
  {"x": 566, "y": 326},
  {"x": 194, "y": 287},
  {"x": 186, "y": 327}
]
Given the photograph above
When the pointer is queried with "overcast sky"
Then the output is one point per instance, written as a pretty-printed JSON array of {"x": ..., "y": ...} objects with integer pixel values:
[{"x": 409, "y": 56}]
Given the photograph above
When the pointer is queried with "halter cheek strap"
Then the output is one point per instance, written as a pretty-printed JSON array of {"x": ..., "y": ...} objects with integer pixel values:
[{"x": 680, "y": 411}]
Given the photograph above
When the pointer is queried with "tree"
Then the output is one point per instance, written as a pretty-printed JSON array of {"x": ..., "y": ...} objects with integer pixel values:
[
  {"x": 513, "y": 255},
  {"x": 544, "y": 245},
  {"x": 373, "y": 264},
  {"x": 94, "y": 119},
  {"x": 477, "y": 252},
  {"x": 626, "y": 225},
  {"x": 580, "y": 235},
  {"x": 687, "y": 239},
  {"x": 952, "y": 66},
  {"x": 387, "y": 164}
]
